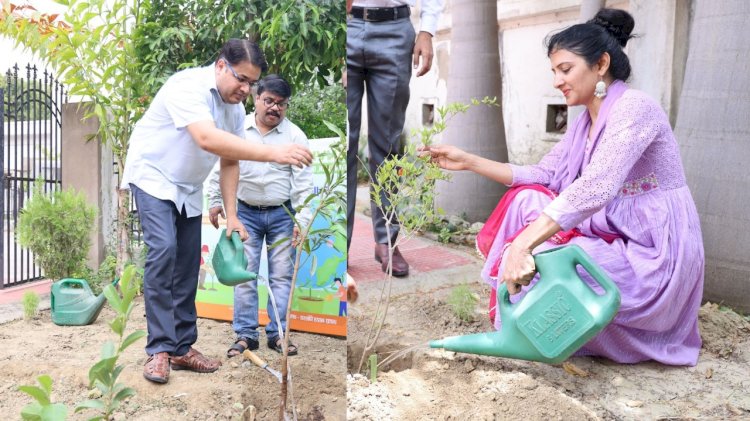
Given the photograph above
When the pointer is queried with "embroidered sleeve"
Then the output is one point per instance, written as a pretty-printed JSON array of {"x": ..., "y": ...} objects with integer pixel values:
[{"x": 632, "y": 126}]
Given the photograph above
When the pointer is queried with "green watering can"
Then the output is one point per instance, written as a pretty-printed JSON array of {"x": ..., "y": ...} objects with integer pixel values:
[
  {"x": 72, "y": 303},
  {"x": 555, "y": 318},
  {"x": 229, "y": 261}
]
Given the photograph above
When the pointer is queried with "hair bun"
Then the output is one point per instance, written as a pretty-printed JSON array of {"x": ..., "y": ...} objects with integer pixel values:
[{"x": 617, "y": 22}]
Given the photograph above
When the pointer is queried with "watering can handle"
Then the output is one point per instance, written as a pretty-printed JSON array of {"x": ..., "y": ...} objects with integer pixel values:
[
  {"x": 73, "y": 281},
  {"x": 237, "y": 241}
]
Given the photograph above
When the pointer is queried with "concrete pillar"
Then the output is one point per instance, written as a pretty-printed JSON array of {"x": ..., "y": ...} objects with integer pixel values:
[
  {"x": 474, "y": 73},
  {"x": 87, "y": 167},
  {"x": 659, "y": 51}
]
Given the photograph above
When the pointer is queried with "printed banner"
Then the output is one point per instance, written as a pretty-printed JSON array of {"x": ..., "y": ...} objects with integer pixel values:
[{"x": 319, "y": 298}]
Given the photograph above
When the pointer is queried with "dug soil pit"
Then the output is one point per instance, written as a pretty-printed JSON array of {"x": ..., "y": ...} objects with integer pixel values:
[
  {"x": 239, "y": 390},
  {"x": 419, "y": 383}
]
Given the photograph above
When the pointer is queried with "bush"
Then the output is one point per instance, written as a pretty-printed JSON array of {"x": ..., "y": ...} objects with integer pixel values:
[
  {"x": 55, "y": 227},
  {"x": 30, "y": 305},
  {"x": 312, "y": 105},
  {"x": 463, "y": 301}
]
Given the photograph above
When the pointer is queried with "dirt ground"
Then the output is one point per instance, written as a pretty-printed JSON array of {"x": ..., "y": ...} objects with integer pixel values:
[
  {"x": 427, "y": 384},
  {"x": 30, "y": 349}
]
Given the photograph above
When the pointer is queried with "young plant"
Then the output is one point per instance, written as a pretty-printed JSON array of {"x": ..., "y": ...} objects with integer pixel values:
[
  {"x": 104, "y": 374},
  {"x": 331, "y": 205},
  {"x": 56, "y": 227},
  {"x": 43, "y": 409},
  {"x": 403, "y": 188},
  {"x": 30, "y": 305},
  {"x": 462, "y": 302}
]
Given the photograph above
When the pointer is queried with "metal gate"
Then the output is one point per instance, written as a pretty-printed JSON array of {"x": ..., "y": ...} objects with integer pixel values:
[{"x": 30, "y": 140}]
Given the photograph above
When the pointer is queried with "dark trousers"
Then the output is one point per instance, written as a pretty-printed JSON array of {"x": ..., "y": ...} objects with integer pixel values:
[
  {"x": 170, "y": 279},
  {"x": 378, "y": 60}
]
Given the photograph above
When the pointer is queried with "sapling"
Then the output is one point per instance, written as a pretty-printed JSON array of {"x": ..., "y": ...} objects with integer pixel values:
[
  {"x": 403, "y": 188},
  {"x": 330, "y": 204},
  {"x": 104, "y": 373}
]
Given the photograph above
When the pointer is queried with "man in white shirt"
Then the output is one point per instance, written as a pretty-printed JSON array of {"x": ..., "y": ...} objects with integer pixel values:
[
  {"x": 381, "y": 48},
  {"x": 194, "y": 119},
  {"x": 265, "y": 192}
]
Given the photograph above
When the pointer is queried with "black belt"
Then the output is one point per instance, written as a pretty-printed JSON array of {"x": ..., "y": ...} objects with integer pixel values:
[
  {"x": 380, "y": 14},
  {"x": 288, "y": 205}
]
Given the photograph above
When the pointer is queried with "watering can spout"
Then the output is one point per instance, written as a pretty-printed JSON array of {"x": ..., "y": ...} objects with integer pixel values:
[{"x": 495, "y": 344}]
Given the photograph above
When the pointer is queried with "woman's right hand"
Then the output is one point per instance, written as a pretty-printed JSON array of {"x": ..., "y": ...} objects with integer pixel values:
[{"x": 448, "y": 157}]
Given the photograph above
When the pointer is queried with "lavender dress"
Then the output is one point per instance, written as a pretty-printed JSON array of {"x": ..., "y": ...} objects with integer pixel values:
[{"x": 626, "y": 180}]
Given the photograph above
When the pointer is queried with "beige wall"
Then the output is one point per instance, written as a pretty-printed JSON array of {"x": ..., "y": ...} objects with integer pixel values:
[{"x": 86, "y": 167}]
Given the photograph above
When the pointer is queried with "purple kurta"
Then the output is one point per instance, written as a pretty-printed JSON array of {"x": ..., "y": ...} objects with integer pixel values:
[{"x": 630, "y": 182}]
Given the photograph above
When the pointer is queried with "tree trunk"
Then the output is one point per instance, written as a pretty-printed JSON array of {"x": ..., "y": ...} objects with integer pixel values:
[
  {"x": 123, "y": 229},
  {"x": 713, "y": 130},
  {"x": 474, "y": 73}
]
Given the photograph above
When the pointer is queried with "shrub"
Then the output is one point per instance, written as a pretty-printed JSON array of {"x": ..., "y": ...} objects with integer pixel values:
[
  {"x": 55, "y": 227},
  {"x": 463, "y": 301},
  {"x": 30, "y": 305},
  {"x": 312, "y": 105}
]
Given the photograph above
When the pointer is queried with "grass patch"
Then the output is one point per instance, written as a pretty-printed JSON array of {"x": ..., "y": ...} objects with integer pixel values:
[{"x": 462, "y": 302}]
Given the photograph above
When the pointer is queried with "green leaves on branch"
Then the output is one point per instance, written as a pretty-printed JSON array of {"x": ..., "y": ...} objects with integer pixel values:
[
  {"x": 104, "y": 373},
  {"x": 303, "y": 40}
]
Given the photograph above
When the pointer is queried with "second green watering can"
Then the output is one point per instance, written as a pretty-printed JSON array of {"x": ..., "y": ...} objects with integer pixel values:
[
  {"x": 72, "y": 303},
  {"x": 229, "y": 261},
  {"x": 558, "y": 315}
]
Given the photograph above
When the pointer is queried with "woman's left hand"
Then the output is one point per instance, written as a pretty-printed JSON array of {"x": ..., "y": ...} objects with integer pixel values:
[{"x": 519, "y": 268}]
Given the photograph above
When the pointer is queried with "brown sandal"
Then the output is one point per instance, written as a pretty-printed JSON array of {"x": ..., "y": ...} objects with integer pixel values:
[
  {"x": 195, "y": 361},
  {"x": 156, "y": 368}
]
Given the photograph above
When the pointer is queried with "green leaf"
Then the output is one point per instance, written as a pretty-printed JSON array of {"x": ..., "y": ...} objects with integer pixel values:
[
  {"x": 114, "y": 298},
  {"x": 40, "y": 395},
  {"x": 90, "y": 404},
  {"x": 138, "y": 334},
  {"x": 124, "y": 393},
  {"x": 32, "y": 412}
]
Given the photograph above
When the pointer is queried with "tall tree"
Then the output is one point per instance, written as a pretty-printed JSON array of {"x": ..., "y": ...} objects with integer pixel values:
[
  {"x": 713, "y": 130},
  {"x": 474, "y": 73},
  {"x": 91, "y": 52}
]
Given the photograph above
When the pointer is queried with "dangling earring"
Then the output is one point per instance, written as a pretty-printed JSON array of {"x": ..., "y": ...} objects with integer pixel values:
[{"x": 600, "y": 90}]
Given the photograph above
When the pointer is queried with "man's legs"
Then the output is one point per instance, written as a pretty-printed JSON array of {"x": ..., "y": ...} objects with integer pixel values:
[
  {"x": 159, "y": 223},
  {"x": 388, "y": 51},
  {"x": 280, "y": 268},
  {"x": 245, "y": 321}
]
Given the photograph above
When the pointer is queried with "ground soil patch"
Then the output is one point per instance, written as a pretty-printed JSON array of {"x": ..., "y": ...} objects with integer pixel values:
[
  {"x": 30, "y": 349},
  {"x": 434, "y": 384}
]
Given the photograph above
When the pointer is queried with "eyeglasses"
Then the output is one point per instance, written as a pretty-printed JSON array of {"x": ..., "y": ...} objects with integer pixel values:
[
  {"x": 270, "y": 103},
  {"x": 250, "y": 83}
]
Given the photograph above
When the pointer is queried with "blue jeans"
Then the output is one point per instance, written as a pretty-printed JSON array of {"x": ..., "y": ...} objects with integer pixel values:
[{"x": 269, "y": 225}]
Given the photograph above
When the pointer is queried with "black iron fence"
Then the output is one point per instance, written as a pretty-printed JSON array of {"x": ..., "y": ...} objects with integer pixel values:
[{"x": 30, "y": 149}]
